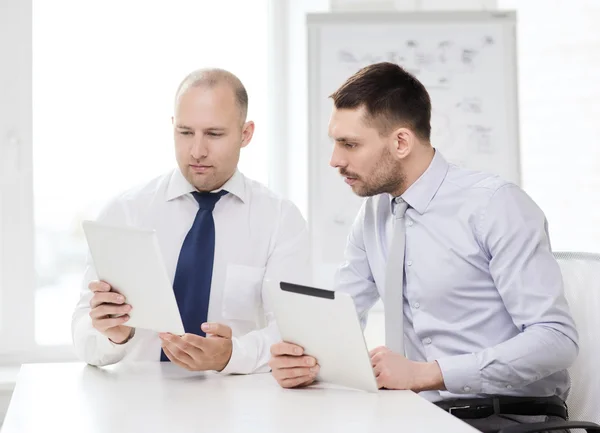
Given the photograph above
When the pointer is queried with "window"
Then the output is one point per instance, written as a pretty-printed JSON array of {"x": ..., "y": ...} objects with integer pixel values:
[
  {"x": 104, "y": 78},
  {"x": 559, "y": 92}
]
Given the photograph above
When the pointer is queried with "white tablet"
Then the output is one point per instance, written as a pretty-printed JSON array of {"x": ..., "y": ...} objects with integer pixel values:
[
  {"x": 326, "y": 325},
  {"x": 129, "y": 260}
]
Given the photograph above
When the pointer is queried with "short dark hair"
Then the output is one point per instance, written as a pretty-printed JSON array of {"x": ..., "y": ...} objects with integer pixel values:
[{"x": 391, "y": 96}]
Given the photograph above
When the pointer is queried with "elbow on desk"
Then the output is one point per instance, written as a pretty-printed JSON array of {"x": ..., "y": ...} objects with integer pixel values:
[
  {"x": 92, "y": 347},
  {"x": 88, "y": 352}
]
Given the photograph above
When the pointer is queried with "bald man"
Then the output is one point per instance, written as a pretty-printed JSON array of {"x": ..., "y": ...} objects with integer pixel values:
[{"x": 220, "y": 234}]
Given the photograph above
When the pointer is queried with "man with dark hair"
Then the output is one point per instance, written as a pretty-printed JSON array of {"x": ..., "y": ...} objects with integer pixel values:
[{"x": 476, "y": 317}]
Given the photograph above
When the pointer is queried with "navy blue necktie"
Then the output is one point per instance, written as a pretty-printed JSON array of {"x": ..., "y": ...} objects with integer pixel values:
[{"x": 195, "y": 266}]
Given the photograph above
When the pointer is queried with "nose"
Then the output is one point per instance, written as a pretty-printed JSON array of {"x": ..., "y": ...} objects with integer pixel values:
[
  {"x": 199, "y": 149},
  {"x": 337, "y": 160}
]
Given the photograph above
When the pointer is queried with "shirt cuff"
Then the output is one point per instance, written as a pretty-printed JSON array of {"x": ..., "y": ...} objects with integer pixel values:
[
  {"x": 95, "y": 348},
  {"x": 461, "y": 374},
  {"x": 236, "y": 362},
  {"x": 110, "y": 352},
  {"x": 127, "y": 340}
]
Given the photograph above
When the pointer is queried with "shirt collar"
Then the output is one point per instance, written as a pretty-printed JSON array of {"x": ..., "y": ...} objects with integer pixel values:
[
  {"x": 178, "y": 186},
  {"x": 419, "y": 194}
]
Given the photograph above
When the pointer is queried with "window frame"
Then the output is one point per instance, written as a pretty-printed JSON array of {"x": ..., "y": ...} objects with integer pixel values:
[{"x": 17, "y": 339}]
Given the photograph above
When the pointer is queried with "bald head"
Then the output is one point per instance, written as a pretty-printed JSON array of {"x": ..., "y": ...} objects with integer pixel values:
[{"x": 214, "y": 77}]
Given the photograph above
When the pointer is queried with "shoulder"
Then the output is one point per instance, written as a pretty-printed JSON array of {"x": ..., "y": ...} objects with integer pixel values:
[
  {"x": 473, "y": 183},
  {"x": 137, "y": 198},
  {"x": 270, "y": 204}
]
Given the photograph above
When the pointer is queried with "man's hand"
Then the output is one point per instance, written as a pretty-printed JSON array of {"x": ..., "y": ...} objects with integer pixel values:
[
  {"x": 196, "y": 353},
  {"x": 290, "y": 368},
  {"x": 105, "y": 306},
  {"x": 394, "y": 371}
]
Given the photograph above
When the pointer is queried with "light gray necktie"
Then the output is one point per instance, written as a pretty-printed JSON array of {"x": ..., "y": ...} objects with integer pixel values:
[{"x": 394, "y": 281}]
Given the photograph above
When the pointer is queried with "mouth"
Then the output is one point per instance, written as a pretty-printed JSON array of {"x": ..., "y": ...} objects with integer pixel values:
[
  {"x": 350, "y": 180},
  {"x": 196, "y": 168}
]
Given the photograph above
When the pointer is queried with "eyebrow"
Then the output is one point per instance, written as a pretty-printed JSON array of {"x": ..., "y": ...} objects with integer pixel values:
[
  {"x": 346, "y": 139},
  {"x": 212, "y": 128}
]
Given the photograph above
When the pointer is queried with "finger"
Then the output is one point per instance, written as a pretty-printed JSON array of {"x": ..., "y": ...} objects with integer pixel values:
[
  {"x": 104, "y": 324},
  {"x": 312, "y": 379},
  {"x": 217, "y": 329},
  {"x": 377, "y": 369},
  {"x": 286, "y": 361},
  {"x": 291, "y": 373},
  {"x": 196, "y": 341},
  {"x": 380, "y": 382},
  {"x": 297, "y": 381},
  {"x": 181, "y": 355},
  {"x": 106, "y": 298},
  {"x": 173, "y": 358},
  {"x": 284, "y": 348},
  {"x": 99, "y": 286},
  {"x": 375, "y": 359},
  {"x": 380, "y": 349},
  {"x": 105, "y": 310},
  {"x": 182, "y": 345}
]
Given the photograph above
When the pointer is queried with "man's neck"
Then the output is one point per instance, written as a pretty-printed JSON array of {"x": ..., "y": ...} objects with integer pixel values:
[{"x": 415, "y": 167}]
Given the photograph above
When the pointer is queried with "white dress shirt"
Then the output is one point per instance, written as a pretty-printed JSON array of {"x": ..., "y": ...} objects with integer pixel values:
[
  {"x": 258, "y": 235},
  {"x": 483, "y": 294}
]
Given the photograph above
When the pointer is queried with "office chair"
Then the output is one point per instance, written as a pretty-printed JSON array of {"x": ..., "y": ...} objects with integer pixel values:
[{"x": 581, "y": 277}]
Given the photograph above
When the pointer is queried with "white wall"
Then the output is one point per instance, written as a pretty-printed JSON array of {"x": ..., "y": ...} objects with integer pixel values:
[{"x": 559, "y": 92}]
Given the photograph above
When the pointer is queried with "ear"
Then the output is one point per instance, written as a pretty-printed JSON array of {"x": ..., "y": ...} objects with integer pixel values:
[
  {"x": 247, "y": 133},
  {"x": 404, "y": 141}
]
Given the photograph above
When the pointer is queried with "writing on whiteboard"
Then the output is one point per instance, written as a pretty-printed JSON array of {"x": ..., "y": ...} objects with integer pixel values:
[{"x": 442, "y": 61}]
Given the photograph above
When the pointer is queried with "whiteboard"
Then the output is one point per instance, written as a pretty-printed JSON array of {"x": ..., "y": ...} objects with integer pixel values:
[{"x": 467, "y": 62}]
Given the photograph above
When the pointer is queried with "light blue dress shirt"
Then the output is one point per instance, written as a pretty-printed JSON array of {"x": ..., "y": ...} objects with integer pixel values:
[{"x": 483, "y": 294}]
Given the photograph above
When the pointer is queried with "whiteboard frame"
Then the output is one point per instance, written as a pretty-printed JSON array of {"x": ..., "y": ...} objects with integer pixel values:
[{"x": 316, "y": 21}]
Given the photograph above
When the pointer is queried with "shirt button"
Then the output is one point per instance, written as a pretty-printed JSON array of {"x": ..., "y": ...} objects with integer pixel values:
[
  {"x": 467, "y": 388},
  {"x": 427, "y": 340},
  {"x": 508, "y": 386},
  {"x": 409, "y": 263},
  {"x": 417, "y": 305},
  {"x": 410, "y": 223}
]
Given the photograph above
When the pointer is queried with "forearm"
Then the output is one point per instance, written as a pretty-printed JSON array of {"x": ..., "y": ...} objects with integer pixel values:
[
  {"x": 91, "y": 346},
  {"x": 528, "y": 357},
  {"x": 427, "y": 376},
  {"x": 251, "y": 352}
]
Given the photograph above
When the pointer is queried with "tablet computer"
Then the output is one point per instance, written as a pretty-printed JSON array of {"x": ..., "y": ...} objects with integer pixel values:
[
  {"x": 326, "y": 325},
  {"x": 129, "y": 259}
]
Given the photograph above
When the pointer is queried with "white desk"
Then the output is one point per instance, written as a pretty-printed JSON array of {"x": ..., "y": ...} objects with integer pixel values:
[{"x": 161, "y": 397}]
